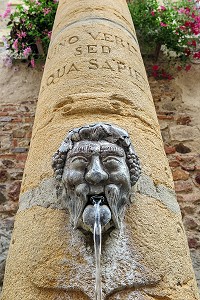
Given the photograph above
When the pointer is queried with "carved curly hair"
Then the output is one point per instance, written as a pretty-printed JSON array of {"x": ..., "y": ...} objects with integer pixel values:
[{"x": 97, "y": 132}]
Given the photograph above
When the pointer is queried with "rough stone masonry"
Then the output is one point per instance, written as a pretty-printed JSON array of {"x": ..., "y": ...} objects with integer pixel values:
[{"x": 94, "y": 73}]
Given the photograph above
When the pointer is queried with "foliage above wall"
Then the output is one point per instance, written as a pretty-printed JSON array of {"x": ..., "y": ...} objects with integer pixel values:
[
  {"x": 30, "y": 29},
  {"x": 173, "y": 27}
]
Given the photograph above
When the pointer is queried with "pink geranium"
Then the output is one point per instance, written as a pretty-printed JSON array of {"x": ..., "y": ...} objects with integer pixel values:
[
  {"x": 32, "y": 63},
  {"x": 7, "y": 12},
  {"x": 27, "y": 51},
  {"x": 187, "y": 67},
  {"x": 21, "y": 34},
  {"x": 155, "y": 67},
  {"x": 163, "y": 24},
  {"x": 196, "y": 55},
  {"x": 46, "y": 11},
  {"x": 15, "y": 44},
  {"x": 162, "y": 7},
  {"x": 49, "y": 34},
  {"x": 153, "y": 13}
]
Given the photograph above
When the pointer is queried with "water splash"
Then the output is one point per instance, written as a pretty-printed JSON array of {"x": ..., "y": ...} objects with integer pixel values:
[{"x": 97, "y": 247}]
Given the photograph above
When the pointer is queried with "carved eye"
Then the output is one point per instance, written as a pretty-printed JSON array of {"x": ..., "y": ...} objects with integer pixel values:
[
  {"x": 79, "y": 161},
  {"x": 111, "y": 162}
]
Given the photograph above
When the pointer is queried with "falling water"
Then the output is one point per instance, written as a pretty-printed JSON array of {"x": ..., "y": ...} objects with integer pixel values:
[{"x": 97, "y": 247}]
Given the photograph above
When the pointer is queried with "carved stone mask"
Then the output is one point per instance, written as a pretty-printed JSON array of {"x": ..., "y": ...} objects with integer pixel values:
[{"x": 96, "y": 162}]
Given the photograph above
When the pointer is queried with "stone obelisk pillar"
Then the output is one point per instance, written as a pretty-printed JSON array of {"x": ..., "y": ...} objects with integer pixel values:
[{"x": 94, "y": 73}]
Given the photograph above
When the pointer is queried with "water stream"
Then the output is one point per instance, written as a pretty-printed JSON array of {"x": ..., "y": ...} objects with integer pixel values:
[{"x": 97, "y": 247}]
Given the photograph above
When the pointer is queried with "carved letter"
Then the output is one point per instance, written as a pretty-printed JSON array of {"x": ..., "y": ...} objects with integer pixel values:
[
  {"x": 72, "y": 68},
  {"x": 73, "y": 39},
  {"x": 50, "y": 79},
  {"x": 93, "y": 64},
  {"x": 121, "y": 66},
  {"x": 92, "y": 48},
  {"x": 107, "y": 66},
  {"x": 94, "y": 37},
  {"x": 105, "y": 49},
  {"x": 107, "y": 37},
  {"x": 79, "y": 50}
]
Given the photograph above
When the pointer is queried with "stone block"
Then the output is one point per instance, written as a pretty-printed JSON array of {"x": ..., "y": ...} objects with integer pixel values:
[
  {"x": 197, "y": 178},
  {"x": 182, "y": 133},
  {"x": 14, "y": 191},
  {"x": 174, "y": 163},
  {"x": 180, "y": 175},
  {"x": 5, "y": 143},
  {"x": 183, "y": 186},
  {"x": 192, "y": 197},
  {"x": 18, "y": 133},
  {"x": 182, "y": 148},
  {"x": 3, "y": 175},
  {"x": 6, "y": 119},
  {"x": 169, "y": 149},
  {"x": 190, "y": 223},
  {"x": 19, "y": 150}
]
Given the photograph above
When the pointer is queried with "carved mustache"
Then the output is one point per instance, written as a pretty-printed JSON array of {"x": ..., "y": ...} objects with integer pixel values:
[{"x": 78, "y": 200}]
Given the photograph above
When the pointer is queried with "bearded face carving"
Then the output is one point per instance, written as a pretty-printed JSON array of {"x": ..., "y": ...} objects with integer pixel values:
[{"x": 97, "y": 162}]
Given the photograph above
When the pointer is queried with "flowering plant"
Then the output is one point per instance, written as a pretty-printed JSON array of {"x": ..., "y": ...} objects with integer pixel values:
[
  {"x": 30, "y": 29},
  {"x": 173, "y": 27}
]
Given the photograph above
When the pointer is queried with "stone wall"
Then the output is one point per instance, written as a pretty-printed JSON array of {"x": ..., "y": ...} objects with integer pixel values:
[
  {"x": 178, "y": 105},
  {"x": 19, "y": 91}
]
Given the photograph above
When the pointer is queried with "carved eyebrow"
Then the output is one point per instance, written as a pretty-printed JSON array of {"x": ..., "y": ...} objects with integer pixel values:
[
  {"x": 79, "y": 154},
  {"x": 112, "y": 150}
]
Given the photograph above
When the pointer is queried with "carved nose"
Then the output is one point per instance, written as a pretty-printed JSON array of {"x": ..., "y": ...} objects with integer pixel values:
[{"x": 95, "y": 173}]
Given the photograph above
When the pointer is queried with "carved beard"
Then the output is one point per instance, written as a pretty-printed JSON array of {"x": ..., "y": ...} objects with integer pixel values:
[{"x": 78, "y": 199}]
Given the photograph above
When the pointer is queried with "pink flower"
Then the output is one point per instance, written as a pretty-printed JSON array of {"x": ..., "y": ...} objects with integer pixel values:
[
  {"x": 21, "y": 35},
  {"x": 7, "y": 12},
  {"x": 55, "y": 1},
  {"x": 187, "y": 10},
  {"x": 15, "y": 44},
  {"x": 181, "y": 10},
  {"x": 197, "y": 55},
  {"x": 27, "y": 51},
  {"x": 179, "y": 68},
  {"x": 187, "y": 52},
  {"x": 153, "y": 13},
  {"x": 46, "y": 11},
  {"x": 49, "y": 34},
  {"x": 5, "y": 41},
  {"x": 155, "y": 67},
  {"x": 194, "y": 43},
  {"x": 163, "y": 24},
  {"x": 162, "y": 7},
  {"x": 187, "y": 67},
  {"x": 37, "y": 2},
  {"x": 182, "y": 28},
  {"x": 32, "y": 63},
  {"x": 188, "y": 24},
  {"x": 169, "y": 77}
]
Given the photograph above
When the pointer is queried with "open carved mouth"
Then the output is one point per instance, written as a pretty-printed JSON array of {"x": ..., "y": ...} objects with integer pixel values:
[
  {"x": 92, "y": 199},
  {"x": 104, "y": 211}
]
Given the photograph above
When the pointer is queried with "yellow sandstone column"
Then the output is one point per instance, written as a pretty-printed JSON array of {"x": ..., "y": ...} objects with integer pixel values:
[{"x": 94, "y": 73}]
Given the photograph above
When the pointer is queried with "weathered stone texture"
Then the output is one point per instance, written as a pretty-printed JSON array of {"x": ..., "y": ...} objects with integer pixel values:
[{"x": 19, "y": 108}]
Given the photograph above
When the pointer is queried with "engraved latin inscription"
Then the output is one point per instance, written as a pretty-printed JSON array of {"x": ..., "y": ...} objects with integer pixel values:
[
  {"x": 111, "y": 40},
  {"x": 98, "y": 53}
]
